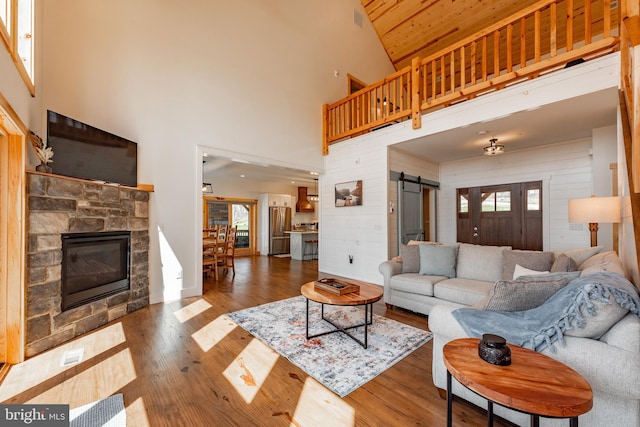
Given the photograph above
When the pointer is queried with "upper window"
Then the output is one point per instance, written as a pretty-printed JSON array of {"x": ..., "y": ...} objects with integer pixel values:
[
  {"x": 5, "y": 14},
  {"x": 24, "y": 35},
  {"x": 19, "y": 40}
]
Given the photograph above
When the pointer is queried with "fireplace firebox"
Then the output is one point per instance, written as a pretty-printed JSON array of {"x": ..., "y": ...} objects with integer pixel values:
[{"x": 94, "y": 266}]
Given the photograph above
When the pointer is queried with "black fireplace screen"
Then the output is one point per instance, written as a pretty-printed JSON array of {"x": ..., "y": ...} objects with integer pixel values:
[{"x": 94, "y": 266}]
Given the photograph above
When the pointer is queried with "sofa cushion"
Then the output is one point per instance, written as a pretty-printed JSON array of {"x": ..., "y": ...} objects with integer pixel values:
[
  {"x": 603, "y": 261},
  {"x": 478, "y": 262},
  {"x": 437, "y": 260},
  {"x": 532, "y": 260},
  {"x": 606, "y": 315},
  {"x": 414, "y": 283},
  {"x": 527, "y": 292},
  {"x": 580, "y": 255},
  {"x": 563, "y": 262},
  {"x": 625, "y": 334},
  {"x": 462, "y": 291},
  {"x": 410, "y": 256}
]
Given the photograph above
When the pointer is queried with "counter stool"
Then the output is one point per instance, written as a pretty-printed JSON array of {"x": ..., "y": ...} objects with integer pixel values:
[{"x": 314, "y": 249}]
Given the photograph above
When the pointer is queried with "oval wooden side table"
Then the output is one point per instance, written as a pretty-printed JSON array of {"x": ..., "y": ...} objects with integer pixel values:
[{"x": 534, "y": 383}]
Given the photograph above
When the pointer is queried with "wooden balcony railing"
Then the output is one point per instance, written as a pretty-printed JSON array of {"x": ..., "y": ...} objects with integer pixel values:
[{"x": 541, "y": 38}]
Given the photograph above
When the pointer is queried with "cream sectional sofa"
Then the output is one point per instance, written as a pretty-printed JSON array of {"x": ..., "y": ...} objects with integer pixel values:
[
  {"x": 605, "y": 350},
  {"x": 426, "y": 274}
]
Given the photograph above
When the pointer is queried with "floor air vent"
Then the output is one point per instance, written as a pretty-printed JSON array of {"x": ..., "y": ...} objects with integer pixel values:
[{"x": 72, "y": 357}]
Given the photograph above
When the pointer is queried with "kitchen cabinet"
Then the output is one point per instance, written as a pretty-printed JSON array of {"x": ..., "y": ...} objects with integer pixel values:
[{"x": 279, "y": 200}]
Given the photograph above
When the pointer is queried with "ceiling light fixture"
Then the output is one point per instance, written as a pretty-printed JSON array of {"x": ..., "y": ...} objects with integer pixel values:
[{"x": 493, "y": 149}]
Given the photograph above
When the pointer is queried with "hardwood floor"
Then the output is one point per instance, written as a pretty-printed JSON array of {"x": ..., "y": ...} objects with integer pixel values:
[{"x": 177, "y": 364}]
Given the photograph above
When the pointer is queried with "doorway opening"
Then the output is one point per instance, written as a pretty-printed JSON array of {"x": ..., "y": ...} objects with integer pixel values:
[
  {"x": 240, "y": 213},
  {"x": 416, "y": 208}
]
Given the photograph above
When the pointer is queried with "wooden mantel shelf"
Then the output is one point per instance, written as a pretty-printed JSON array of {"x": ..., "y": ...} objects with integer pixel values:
[{"x": 149, "y": 188}]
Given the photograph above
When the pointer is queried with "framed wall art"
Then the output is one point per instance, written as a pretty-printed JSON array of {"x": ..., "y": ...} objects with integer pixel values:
[{"x": 349, "y": 193}]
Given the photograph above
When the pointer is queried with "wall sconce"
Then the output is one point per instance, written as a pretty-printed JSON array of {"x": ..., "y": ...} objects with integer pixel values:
[
  {"x": 594, "y": 210},
  {"x": 207, "y": 187}
]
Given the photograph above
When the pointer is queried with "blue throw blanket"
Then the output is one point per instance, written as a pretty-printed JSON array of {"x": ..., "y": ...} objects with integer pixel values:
[{"x": 540, "y": 327}]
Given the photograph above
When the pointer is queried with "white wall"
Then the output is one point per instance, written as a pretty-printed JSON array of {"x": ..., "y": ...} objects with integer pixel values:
[
  {"x": 365, "y": 156},
  {"x": 247, "y": 77}
]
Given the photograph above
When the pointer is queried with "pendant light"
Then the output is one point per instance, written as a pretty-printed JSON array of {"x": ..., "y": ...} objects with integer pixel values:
[{"x": 314, "y": 197}]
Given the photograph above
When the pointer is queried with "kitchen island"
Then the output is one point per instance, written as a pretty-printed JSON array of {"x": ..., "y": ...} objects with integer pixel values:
[{"x": 298, "y": 245}]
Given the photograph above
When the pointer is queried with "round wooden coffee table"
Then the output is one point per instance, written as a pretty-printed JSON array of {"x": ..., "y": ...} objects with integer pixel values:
[
  {"x": 534, "y": 383},
  {"x": 366, "y": 296}
]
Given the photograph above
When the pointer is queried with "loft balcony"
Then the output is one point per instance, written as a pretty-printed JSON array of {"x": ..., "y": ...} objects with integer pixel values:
[{"x": 542, "y": 38}]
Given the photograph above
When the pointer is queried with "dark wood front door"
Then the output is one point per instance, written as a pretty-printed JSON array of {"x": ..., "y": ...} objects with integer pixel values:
[{"x": 501, "y": 215}]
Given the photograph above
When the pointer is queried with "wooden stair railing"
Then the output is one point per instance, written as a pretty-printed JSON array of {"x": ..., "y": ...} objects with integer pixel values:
[
  {"x": 634, "y": 191},
  {"x": 540, "y": 38},
  {"x": 630, "y": 82},
  {"x": 630, "y": 109}
]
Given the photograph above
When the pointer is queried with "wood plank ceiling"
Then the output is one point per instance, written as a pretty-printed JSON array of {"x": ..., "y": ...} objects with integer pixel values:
[{"x": 409, "y": 28}]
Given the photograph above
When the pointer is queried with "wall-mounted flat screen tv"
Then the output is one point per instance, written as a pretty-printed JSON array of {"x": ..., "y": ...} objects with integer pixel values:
[{"x": 83, "y": 151}]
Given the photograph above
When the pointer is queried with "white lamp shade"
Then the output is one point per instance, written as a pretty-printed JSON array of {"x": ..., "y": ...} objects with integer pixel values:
[{"x": 595, "y": 209}]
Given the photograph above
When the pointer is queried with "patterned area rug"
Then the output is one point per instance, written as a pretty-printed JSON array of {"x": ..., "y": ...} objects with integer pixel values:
[{"x": 335, "y": 360}]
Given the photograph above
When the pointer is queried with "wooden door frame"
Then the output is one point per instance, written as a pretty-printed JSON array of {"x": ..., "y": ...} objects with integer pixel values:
[
  {"x": 253, "y": 220},
  {"x": 13, "y": 231}
]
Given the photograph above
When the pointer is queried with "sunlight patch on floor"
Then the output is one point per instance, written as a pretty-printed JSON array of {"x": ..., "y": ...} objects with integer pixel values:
[
  {"x": 250, "y": 369},
  {"x": 192, "y": 310},
  {"x": 214, "y": 332},
  {"x": 46, "y": 366},
  {"x": 318, "y": 406},
  {"x": 137, "y": 414},
  {"x": 97, "y": 382}
]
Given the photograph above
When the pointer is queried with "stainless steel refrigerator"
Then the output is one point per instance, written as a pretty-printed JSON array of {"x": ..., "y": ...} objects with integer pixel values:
[{"x": 279, "y": 222}]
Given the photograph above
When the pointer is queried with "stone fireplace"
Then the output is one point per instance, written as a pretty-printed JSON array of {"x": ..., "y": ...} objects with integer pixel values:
[{"x": 61, "y": 207}]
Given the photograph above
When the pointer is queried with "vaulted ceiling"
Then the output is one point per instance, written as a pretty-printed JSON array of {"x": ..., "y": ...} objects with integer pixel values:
[{"x": 409, "y": 28}]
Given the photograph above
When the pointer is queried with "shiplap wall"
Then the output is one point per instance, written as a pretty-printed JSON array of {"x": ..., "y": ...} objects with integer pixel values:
[
  {"x": 359, "y": 231},
  {"x": 566, "y": 172}
]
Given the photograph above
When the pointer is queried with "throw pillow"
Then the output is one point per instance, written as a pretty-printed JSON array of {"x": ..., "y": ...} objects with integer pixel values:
[
  {"x": 533, "y": 260},
  {"x": 582, "y": 254},
  {"x": 521, "y": 271},
  {"x": 604, "y": 261},
  {"x": 438, "y": 260},
  {"x": 410, "y": 259},
  {"x": 607, "y": 315},
  {"x": 480, "y": 262},
  {"x": 527, "y": 292},
  {"x": 563, "y": 263}
]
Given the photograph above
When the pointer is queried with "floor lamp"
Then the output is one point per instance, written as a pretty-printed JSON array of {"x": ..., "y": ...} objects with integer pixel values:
[{"x": 594, "y": 210}]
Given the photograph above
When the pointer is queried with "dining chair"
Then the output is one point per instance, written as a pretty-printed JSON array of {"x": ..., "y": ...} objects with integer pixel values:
[{"x": 230, "y": 250}]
